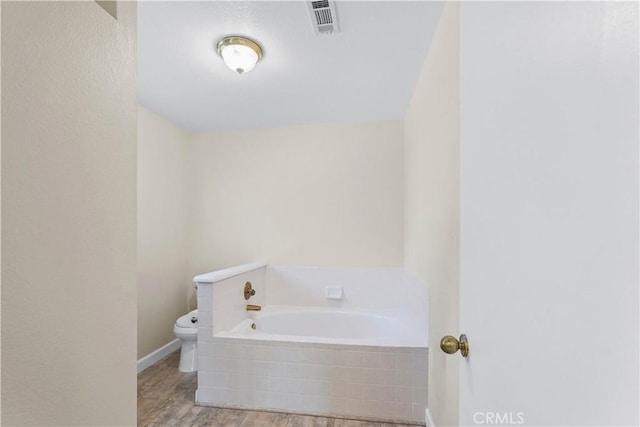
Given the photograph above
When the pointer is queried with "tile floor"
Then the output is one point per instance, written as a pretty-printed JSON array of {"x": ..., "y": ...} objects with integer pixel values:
[{"x": 165, "y": 399}]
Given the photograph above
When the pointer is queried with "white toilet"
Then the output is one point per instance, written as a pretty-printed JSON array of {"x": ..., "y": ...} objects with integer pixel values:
[{"x": 186, "y": 329}]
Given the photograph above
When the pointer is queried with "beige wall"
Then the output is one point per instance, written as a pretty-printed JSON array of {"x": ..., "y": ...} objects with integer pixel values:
[
  {"x": 69, "y": 214},
  {"x": 309, "y": 195},
  {"x": 314, "y": 195},
  {"x": 163, "y": 280},
  {"x": 432, "y": 211}
]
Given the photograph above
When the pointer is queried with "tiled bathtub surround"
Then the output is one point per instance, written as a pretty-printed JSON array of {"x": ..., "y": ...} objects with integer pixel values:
[{"x": 372, "y": 382}]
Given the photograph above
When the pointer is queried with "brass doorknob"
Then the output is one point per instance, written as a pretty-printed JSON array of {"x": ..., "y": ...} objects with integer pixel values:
[{"x": 450, "y": 345}]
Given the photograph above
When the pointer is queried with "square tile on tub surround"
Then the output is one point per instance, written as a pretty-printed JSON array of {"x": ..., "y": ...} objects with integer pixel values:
[{"x": 387, "y": 383}]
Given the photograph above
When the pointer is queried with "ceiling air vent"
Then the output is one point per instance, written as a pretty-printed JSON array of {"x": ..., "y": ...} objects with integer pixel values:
[{"x": 323, "y": 16}]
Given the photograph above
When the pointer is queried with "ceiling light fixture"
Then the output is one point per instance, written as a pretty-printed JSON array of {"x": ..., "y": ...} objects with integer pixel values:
[{"x": 239, "y": 53}]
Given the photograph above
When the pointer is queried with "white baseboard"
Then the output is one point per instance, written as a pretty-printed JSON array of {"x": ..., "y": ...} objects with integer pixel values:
[
  {"x": 158, "y": 354},
  {"x": 427, "y": 418}
]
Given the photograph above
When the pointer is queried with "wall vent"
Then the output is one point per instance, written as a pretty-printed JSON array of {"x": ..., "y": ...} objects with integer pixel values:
[{"x": 324, "y": 19}]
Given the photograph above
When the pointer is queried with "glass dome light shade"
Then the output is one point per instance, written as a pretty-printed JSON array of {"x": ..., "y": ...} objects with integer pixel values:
[{"x": 240, "y": 54}]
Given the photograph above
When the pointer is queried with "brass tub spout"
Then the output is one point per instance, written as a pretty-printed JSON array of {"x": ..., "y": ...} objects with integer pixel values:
[{"x": 251, "y": 307}]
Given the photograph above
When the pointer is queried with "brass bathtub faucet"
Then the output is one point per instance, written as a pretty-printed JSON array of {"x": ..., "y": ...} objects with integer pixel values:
[{"x": 251, "y": 307}]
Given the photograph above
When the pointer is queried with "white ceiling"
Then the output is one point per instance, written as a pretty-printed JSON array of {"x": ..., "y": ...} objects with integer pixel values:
[{"x": 366, "y": 72}]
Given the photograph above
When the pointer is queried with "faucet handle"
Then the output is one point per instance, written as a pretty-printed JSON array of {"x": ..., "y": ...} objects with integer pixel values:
[{"x": 248, "y": 291}]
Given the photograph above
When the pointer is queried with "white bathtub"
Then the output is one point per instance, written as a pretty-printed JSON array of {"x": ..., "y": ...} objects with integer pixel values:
[
  {"x": 328, "y": 326},
  {"x": 363, "y": 356}
]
